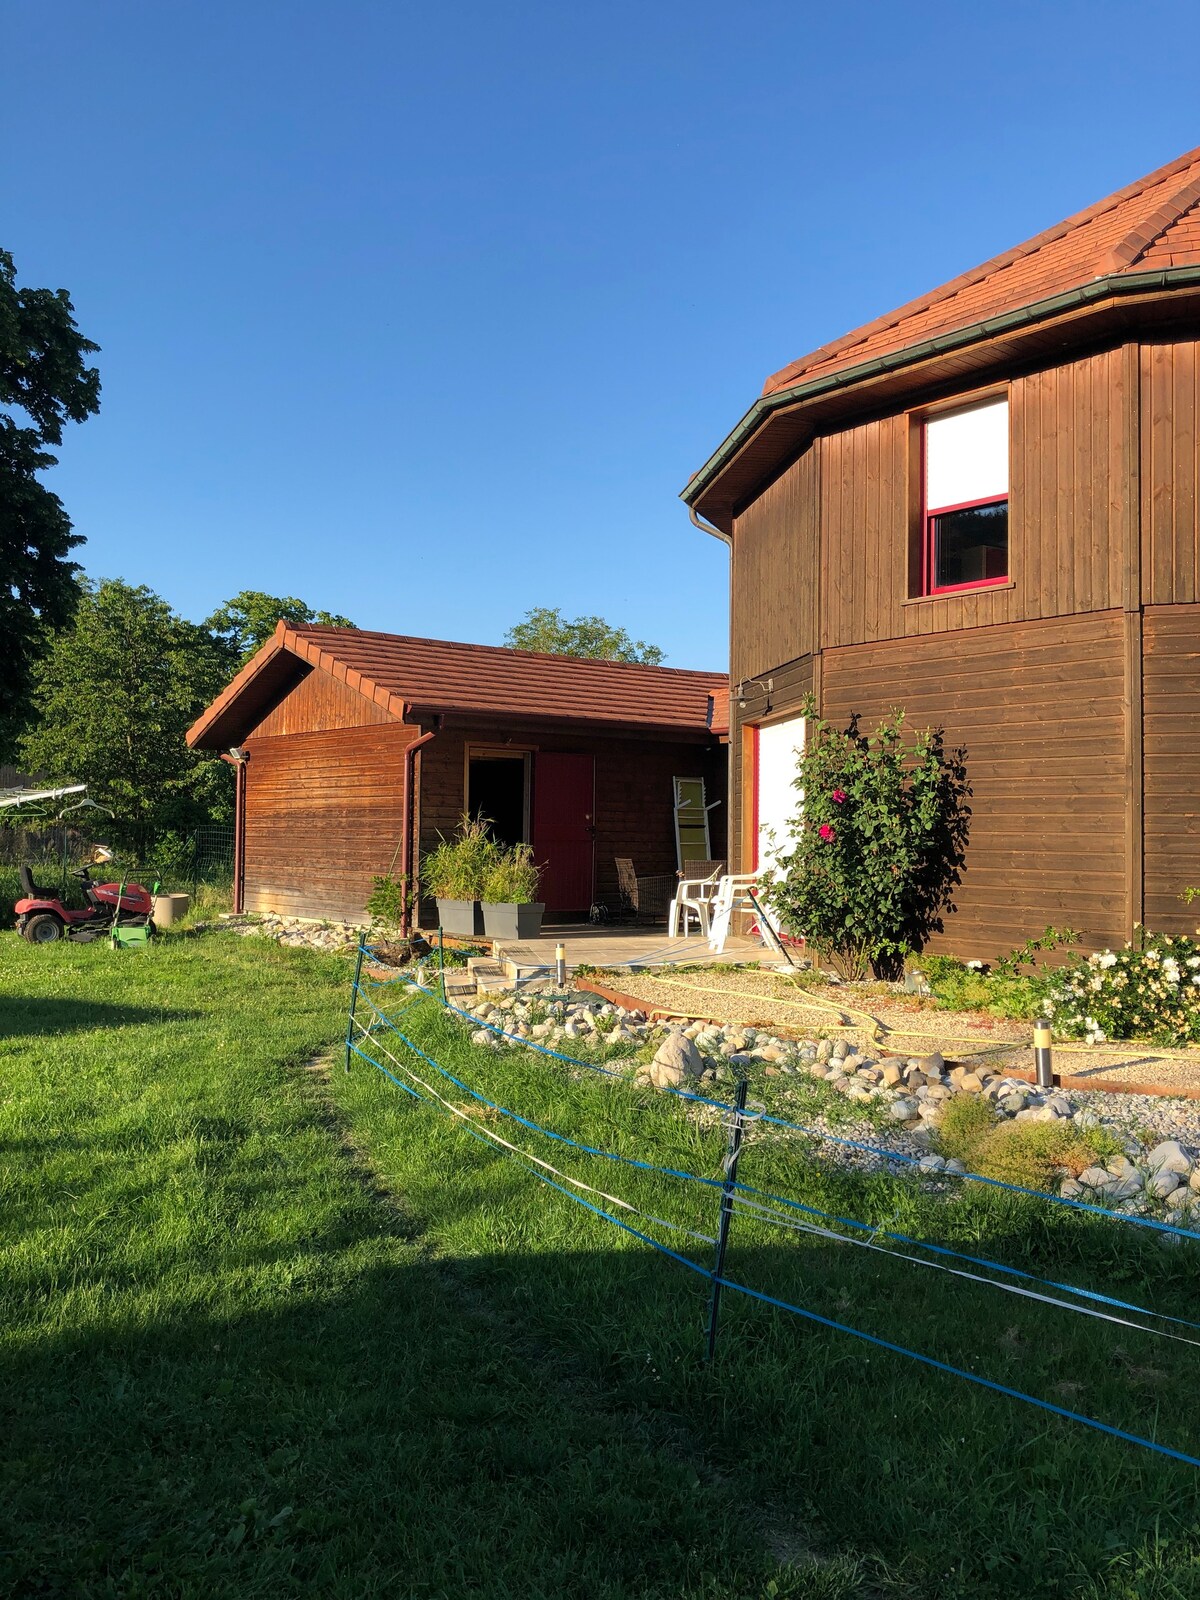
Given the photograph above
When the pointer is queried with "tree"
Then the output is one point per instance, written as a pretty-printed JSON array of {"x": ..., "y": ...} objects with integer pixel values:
[
  {"x": 246, "y": 622},
  {"x": 545, "y": 629},
  {"x": 881, "y": 839},
  {"x": 116, "y": 692},
  {"x": 44, "y": 383}
]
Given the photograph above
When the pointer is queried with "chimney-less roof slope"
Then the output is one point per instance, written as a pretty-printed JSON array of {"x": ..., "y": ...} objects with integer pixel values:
[
  {"x": 1152, "y": 224},
  {"x": 409, "y": 676}
]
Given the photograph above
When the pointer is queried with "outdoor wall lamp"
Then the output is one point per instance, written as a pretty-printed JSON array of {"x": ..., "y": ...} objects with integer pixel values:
[
  {"x": 749, "y": 686},
  {"x": 238, "y": 753}
]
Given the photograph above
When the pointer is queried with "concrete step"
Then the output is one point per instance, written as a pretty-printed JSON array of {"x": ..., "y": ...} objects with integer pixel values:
[
  {"x": 491, "y": 977},
  {"x": 460, "y": 984}
]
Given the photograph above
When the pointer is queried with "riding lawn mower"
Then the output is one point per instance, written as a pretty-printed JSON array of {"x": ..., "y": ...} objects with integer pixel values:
[{"x": 120, "y": 911}]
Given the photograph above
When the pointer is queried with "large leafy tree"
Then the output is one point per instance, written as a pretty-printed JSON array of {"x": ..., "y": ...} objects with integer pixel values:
[
  {"x": 545, "y": 628},
  {"x": 45, "y": 382},
  {"x": 246, "y": 622},
  {"x": 116, "y": 692}
]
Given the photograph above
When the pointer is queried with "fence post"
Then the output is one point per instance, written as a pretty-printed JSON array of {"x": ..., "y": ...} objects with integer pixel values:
[
  {"x": 354, "y": 1001},
  {"x": 732, "y": 1154}
]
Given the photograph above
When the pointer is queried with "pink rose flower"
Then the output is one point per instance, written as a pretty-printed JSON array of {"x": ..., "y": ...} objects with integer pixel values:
[
  {"x": 826, "y": 833},
  {"x": 838, "y": 796}
]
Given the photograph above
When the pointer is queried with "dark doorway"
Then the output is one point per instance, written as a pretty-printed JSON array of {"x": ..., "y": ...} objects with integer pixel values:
[
  {"x": 564, "y": 832},
  {"x": 496, "y": 788}
]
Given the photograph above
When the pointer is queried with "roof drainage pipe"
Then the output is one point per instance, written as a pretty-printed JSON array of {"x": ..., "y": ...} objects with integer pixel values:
[
  {"x": 707, "y": 527},
  {"x": 406, "y": 822}
]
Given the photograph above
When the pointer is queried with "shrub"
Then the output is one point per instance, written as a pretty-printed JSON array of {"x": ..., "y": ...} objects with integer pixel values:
[
  {"x": 389, "y": 899},
  {"x": 879, "y": 847},
  {"x": 455, "y": 868},
  {"x": 1148, "y": 991},
  {"x": 511, "y": 878},
  {"x": 966, "y": 1123},
  {"x": 1027, "y": 1153},
  {"x": 962, "y": 988}
]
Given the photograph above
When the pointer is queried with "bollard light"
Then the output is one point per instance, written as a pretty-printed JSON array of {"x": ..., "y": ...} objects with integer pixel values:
[
  {"x": 1043, "y": 1069},
  {"x": 560, "y": 965}
]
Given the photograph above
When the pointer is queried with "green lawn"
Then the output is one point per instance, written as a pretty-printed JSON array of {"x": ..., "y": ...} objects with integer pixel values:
[{"x": 268, "y": 1331}]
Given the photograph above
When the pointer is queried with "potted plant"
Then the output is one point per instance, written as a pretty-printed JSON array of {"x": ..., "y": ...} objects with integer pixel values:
[
  {"x": 454, "y": 871},
  {"x": 511, "y": 909}
]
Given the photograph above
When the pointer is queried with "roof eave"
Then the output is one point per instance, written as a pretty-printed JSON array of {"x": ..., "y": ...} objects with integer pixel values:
[{"x": 1111, "y": 285}]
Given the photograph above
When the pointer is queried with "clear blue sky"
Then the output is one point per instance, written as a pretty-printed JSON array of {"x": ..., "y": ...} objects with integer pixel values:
[{"x": 426, "y": 313}]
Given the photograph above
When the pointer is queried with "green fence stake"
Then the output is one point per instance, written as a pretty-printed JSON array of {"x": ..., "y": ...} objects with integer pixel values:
[
  {"x": 442, "y": 964},
  {"x": 353, "y": 1002},
  {"x": 727, "y": 1189}
]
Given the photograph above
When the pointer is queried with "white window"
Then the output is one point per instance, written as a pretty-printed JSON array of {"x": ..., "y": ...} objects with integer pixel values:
[{"x": 965, "y": 523}]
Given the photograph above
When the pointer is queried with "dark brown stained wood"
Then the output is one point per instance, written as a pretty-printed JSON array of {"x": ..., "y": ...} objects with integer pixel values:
[
  {"x": 774, "y": 552},
  {"x": 317, "y": 704},
  {"x": 634, "y": 799},
  {"x": 1040, "y": 709},
  {"x": 1170, "y": 467},
  {"x": 1171, "y": 738},
  {"x": 792, "y": 684},
  {"x": 323, "y": 816}
]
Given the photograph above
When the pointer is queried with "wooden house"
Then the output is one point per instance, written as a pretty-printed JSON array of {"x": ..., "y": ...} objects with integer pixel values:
[
  {"x": 355, "y": 750},
  {"x": 984, "y": 507}
]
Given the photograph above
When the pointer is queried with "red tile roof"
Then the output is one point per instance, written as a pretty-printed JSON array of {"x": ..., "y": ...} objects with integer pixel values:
[
  {"x": 1152, "y": 224},
  {"x": 409, "y": 676}
]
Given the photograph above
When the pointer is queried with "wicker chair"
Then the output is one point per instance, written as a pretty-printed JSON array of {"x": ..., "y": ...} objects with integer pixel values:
[{"x": 645, "y": 898}]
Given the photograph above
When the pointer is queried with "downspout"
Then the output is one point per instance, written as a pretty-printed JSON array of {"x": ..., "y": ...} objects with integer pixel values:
[
  {"x": 406, "y": 821},
  {"x": 732, "y": 845},
  {"x": 238, "y": 763}
]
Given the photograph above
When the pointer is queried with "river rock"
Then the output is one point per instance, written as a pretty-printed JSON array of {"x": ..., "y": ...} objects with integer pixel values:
[{"x": 675, "y": 1059}]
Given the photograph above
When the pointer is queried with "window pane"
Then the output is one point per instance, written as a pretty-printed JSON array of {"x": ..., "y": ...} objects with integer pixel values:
[
  {"x": 970, "y": 546},
  {"x": 966, "y": 456}
]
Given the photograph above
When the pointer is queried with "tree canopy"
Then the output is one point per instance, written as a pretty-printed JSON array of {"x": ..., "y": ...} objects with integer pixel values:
[
  {"x": 246, "y": 622},
  {"x": 544, "y": 628},
  {"x": 45, "y": 382},
  {"x": 116, "y": 692}
]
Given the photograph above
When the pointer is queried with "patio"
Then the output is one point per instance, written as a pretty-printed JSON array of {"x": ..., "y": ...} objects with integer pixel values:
[{"x": 633, "y": 947}]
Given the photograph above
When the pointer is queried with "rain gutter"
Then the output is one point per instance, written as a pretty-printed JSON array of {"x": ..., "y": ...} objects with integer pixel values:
[{"x": 1124, "y": 283}]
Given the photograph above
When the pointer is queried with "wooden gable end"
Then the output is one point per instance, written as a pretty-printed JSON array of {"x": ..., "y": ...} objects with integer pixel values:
[{"x": 318, "y": 703}]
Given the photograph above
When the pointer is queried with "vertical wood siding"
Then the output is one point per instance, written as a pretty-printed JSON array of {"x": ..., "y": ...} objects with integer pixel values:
[
  {"x": 1171, "y": 724},
  {"x": 319, "y": 702},
  {"x": 323, "y": 816},
  {"x": 1040, "y": 710},
  {"x": 1170, "y": 378},
  {"x": 793, "y": 683},
  {"x": 774, "y": 572}
]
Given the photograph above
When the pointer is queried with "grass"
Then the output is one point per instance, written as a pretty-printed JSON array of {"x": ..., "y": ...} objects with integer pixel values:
[{"x": 272, "y": 1332}]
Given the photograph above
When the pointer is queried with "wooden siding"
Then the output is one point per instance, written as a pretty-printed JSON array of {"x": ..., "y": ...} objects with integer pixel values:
[
  {"x": 1171, "y": 722},
  {"x": 323, "y": 816},
  {"x": 319, "y": 703},
  {"x": 1040, "y": 710},
  {"x": 792, "y": 684},
  {"x": 1170, "y": 388},
  {"x": 634, "y": 803},
  {"x": 774, "y": 556}
]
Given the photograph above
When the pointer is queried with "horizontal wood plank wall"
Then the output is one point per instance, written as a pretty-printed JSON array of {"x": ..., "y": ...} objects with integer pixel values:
[
  {"x": 1040, "y": 709},
  {"x": 320, "y": 702},
  {"x": 774, "y": 572},
  {"x": 323, "y": 816},
  {"x": 1171, "y": 733},
  {"x": 634, "y": 798},
  {"x": 793, "y": 683},
  {"x": 1170, "y": 377}
]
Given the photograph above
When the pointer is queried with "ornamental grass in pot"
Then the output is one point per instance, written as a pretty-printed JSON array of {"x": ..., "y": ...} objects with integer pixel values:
[
  {"x": 454, "y": 873},
  {"x": 511, "y": 909}
]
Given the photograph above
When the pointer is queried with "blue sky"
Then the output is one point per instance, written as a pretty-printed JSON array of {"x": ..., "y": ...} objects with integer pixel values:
[{"x": 426, "y": 314}]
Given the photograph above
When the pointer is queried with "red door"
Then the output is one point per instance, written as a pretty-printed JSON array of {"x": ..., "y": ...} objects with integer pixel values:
[{"x": 564, "y": 788}]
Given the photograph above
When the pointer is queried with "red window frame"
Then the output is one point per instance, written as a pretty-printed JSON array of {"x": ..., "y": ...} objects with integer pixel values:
[{"x": 929, "y": 540}]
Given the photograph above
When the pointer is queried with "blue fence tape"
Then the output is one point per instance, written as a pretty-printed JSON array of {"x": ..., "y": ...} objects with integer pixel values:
[
  {"x": 764, "y": 1194},
  {"x": 833, "y": 1138}
]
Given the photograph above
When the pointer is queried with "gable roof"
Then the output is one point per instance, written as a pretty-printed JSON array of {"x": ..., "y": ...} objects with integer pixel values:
[
  {"x": 1151, "y": 223},
  {"x": 1144, "y": 237},
  {"x": 411, "y": 678}
]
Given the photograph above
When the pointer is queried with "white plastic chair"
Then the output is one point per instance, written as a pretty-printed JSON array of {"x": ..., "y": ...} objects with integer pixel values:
[
  {"x": 731, "y": 896},
  {"x": 693, "y": 898}
]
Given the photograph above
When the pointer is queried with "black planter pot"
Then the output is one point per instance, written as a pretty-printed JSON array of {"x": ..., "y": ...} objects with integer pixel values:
[
  {"x": 463, "y": 918},
  {"x": 511, "y": 921}
]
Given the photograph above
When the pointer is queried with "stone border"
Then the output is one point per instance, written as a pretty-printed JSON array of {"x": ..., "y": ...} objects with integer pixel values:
[{"x": 630, "y": 1002}]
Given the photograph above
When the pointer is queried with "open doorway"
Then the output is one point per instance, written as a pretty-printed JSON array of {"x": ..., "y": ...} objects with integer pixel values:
[{"x": 498, "y": 787}]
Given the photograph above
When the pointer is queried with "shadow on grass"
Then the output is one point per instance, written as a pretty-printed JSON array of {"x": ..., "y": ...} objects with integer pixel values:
[{"x": 36, "y": 1016}]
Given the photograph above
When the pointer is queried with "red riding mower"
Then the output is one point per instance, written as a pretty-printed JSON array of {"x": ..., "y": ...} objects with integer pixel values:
[{"x": 120, "y": 911}]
